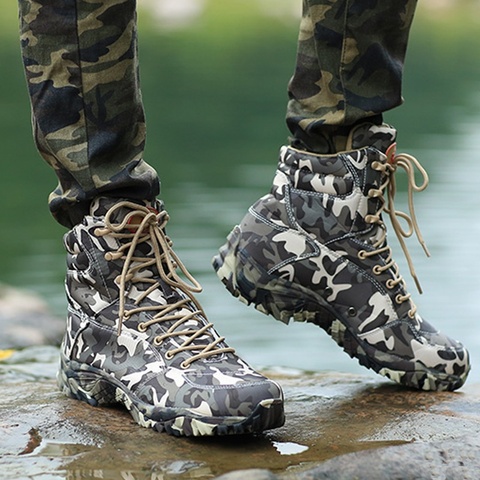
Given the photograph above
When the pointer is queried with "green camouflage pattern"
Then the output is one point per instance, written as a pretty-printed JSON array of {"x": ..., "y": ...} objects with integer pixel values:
[
  {"x": 349, "y": 62},
  {"x": 314, "y": 249},
  {"x": 81, "y": 65},
  {"x": 144, "y": 341}
]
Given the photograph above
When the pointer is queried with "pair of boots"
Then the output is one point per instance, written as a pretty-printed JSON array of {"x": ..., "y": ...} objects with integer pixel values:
[{"x": 314, "y": 249}]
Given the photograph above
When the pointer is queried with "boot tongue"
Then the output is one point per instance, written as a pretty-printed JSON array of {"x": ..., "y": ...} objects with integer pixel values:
[{"x": 370, "y": 135}]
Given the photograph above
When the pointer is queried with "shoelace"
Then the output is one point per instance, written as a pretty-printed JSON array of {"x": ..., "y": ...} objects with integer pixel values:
[
  {"x": 143, "y": 224},
  {"x": 388, "y": 168}
]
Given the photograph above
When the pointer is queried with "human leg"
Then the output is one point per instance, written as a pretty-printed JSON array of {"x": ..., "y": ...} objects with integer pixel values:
[
  {"x": 349, "y": 68},
  {"x": 82, "y": 73},
  {"x": 136, "y": 334},
  {"x": 315, "y": 248}
]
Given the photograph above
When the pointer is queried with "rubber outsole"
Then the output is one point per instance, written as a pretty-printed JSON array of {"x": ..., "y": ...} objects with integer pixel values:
[
  {"x": 285, "y": 301},
  {"x": 95, "y": 387}
]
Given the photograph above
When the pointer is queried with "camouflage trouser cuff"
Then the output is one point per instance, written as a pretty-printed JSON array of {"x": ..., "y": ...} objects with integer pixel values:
[
  {"x": 349, "y": 62},
  {"x": 326, "y": 139},
  {"x": 82, "y": 73}
]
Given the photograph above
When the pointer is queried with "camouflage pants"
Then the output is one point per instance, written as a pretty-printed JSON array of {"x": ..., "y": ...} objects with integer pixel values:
[
  {"x": 81, "y": 65},
  {"x": 349, "y": 62},
  {"x": 80, "y": 58}
]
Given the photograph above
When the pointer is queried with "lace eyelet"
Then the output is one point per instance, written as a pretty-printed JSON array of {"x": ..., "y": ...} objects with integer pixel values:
[
  {"x": 328, "y": 291},
  {"x": 377, "y": 270},
  {"x": 141, "y": 327},
  {"x": 390, "y": 284},
  {"x": 362, "y": 254},
  {"x": 169, "y": 355},
  {"x": 184, "y": 365},
  {"x": 158, "y": 341},
  {"x": 399, "y": 299},
  {"x": 352, "y": 312}
]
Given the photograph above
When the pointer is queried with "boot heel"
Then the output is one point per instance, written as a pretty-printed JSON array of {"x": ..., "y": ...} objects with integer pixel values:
[
  {"x": 85, "y": 385},
  {"x": 225, "y": 264},
  {"x": 251, "y": 284}
]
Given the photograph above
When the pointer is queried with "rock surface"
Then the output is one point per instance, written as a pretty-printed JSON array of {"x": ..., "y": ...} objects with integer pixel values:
[
  {"x": 339, "y": 426},
  {"x": 26, "y": 320}
]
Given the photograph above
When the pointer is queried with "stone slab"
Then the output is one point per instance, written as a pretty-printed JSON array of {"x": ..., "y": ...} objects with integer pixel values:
[{"x": 334, "y": 421}]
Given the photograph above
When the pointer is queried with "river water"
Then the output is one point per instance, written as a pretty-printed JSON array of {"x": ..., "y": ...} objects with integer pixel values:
[
  {"x": 214, "y": 136},
  {"x": 214, "y": 96},
  {"x": 448, "y": 216}
]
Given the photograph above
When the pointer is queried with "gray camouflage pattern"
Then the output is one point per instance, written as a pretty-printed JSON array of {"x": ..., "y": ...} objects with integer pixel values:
[
  {"x": 302, "y": 252},
  {"x": 155, "y": 353},
  {"x": 81, "y": 65}
]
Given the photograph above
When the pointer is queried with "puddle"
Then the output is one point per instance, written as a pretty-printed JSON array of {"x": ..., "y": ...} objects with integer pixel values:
[{"x": 289, "y": 448}]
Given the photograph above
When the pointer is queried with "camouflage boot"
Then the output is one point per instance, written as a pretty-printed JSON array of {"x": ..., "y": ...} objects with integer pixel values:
[
  {"x": 137, "y": 336},
  {"x": 315, "y": 250}
]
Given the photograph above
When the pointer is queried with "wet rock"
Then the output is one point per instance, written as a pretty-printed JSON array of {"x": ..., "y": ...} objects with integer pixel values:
[
  {"x": 338, "y": 426},
  {"x": 251, "y": 474},
  {"x": 454, "y": 459},
  {"x": 29, "y": 364},
  {"x": 26, "y": 320}
]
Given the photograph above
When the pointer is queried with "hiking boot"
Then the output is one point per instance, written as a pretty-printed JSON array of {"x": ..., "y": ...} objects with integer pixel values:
[
  {"x": 137, "y": 336},
  {"x": 315, "y": 250}
]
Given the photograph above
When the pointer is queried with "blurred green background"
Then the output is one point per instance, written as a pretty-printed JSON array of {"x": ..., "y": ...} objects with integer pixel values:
[{"x": 214, "y": 76}]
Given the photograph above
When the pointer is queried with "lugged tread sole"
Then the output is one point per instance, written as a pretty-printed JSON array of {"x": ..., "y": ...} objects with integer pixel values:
[
  {"x": 96, "y": 388},
  {"x": 277, "y": 297}
]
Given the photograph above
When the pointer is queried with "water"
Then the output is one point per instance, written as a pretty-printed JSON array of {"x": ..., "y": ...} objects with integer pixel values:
[
  {"x": 447, "y": 212},
  {"x": 215, "y": 127}
]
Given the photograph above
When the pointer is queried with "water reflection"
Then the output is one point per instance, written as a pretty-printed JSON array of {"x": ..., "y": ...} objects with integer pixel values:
[
  {"x": 179, "y": 469},
  {"x": 289, "y": 448}
]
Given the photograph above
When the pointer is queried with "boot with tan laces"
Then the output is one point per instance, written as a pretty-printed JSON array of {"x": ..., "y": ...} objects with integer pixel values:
[
  {"x": 315, "y": 249},
  {"x": 136, "y": 335}
]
